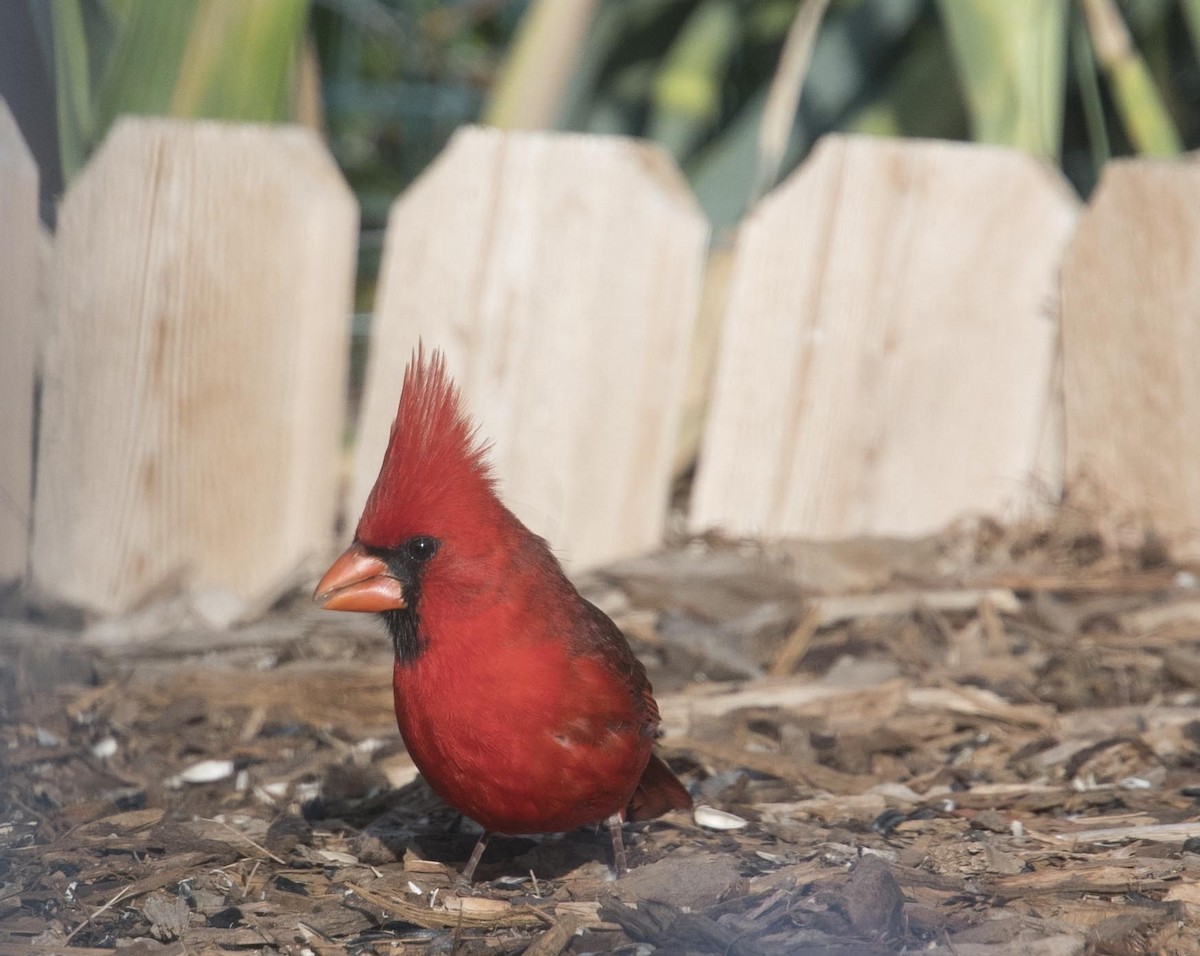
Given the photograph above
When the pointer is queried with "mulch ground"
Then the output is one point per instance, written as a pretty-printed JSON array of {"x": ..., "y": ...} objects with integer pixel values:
[{"x": 982, "y": 743}]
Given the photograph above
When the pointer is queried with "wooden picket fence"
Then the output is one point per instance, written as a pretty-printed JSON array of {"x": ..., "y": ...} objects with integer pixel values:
[{"x": 903, "y": 333}]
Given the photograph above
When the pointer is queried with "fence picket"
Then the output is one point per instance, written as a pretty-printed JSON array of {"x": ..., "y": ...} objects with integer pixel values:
[
  {"x": 886, "y": 364},
  {"x": 561, "y": 275},
  {"x": 195, "y": 367},
  {"x": 18, "y": 304},
  {"x": 1131, "y": 345},
  {"x": 886, "y": 360}
]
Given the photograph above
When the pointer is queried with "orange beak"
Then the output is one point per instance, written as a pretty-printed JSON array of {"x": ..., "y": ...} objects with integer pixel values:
[{"x": 358, "y": 581}]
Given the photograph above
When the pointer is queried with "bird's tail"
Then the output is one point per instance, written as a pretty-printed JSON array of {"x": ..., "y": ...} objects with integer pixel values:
[{"x": 658, "y": 791}]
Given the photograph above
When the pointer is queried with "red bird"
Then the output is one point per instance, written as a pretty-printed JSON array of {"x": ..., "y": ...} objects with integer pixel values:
[{"x": 520, "y": 702}]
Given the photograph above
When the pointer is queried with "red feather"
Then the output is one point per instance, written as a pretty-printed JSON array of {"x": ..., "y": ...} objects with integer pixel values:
[{"x": 435, "y": 471}]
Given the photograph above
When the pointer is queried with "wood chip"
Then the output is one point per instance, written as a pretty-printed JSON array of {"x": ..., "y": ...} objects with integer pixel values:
[
  {"x": 1158, "y": 833},
  {"x": 713, "y": 819},
  {"x": 557, "y": 938}
]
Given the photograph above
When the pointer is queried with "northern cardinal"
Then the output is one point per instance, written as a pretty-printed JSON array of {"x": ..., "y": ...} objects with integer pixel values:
[{"x": 520, "y": 702}]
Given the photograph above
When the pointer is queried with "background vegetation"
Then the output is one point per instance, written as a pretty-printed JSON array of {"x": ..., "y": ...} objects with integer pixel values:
[
  {"x": 1076, "y": 81},
  {"x": 717, "y": 82}
]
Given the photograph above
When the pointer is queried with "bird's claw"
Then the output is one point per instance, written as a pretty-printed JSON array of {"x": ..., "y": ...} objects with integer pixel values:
[{"x": 464, "y": 887}]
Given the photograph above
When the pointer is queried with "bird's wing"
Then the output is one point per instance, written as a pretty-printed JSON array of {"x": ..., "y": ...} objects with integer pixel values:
[{"x": 599, "y": 639}]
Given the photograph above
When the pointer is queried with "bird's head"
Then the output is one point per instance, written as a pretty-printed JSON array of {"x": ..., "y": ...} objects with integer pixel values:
[{"x": 432, "y": 529}]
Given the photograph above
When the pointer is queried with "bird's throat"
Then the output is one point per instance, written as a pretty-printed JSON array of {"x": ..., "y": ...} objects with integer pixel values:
[{"x": 404, "y": 627}]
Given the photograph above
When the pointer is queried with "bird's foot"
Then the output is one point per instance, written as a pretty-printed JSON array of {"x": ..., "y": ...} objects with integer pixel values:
[
  {"x": 620, "y": 863},
  {"x": 464, "y": 887},
  {"x": 468, "y": 874}
]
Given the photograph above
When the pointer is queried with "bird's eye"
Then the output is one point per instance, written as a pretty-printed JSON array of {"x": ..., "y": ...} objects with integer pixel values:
[{"x": 421, "y": 548}]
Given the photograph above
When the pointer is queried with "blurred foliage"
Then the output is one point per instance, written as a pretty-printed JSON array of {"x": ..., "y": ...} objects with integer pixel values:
[
  {"x": 529, "y": 88},
  {"x": 220, "y": 59},
  {"x": 398, "y": 77},
  {"x": 1050, "y": 76},
  {"x": 1011, "y": 58},
  {"x": 1076, "y": 81},
  {"x": 1138, "y": 103}
]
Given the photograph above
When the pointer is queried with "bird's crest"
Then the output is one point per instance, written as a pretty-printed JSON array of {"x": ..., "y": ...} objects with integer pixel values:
[{"x": 435, "y": 474}]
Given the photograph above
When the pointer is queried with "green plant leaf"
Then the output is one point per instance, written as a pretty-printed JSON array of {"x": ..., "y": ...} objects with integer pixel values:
[
  {"x": 240, "y": 59},
  {"x": 1011, "y": 58},
  {"x": 1191, "y": 16},
  {"x": 532, "y": 85},
  {"x": 1139, "y": 104},
  {"x": 72, "y": 69},
  {"x": 143, "y": 66},
  {"x": 783, "y": 96},
  {"x": 223, "y": 59},
  {"x": 687, "y": 90},
  {"x": 1089, "y": 95}
]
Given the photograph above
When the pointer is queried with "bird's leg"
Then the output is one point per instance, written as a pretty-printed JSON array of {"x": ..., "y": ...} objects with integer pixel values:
[
  {"x": 476, "y": 855},
  {"x": 620, "y": 864}
]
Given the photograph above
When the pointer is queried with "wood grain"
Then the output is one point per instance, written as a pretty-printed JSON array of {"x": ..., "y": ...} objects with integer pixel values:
[
  {"x": 1131, "y": 345},
  {"x": 886, "y": 362},
  {"x": 195, "y": 370},
  {"x": 18, "y": 318},
  {"x": 560, "y": 275}
]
